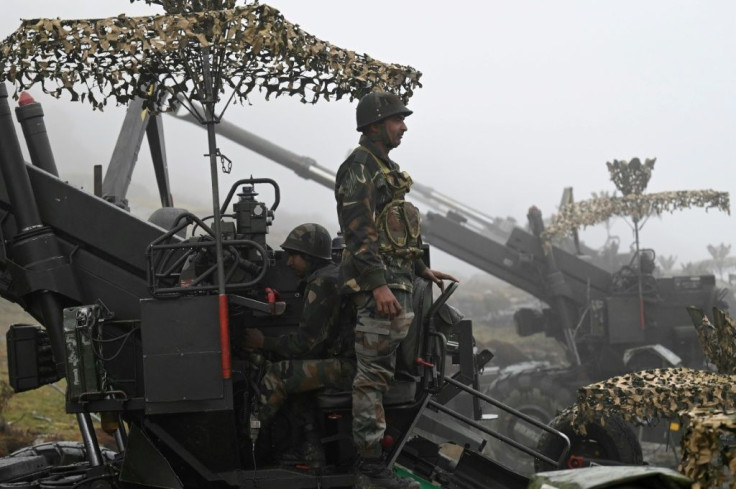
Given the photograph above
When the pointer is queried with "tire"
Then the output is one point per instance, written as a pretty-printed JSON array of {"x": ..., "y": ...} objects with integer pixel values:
[
  {"x": 538, "y": 397},
  {"x": 611, "y": 443},
  {"x": 65, "y": 458},
  {"x": 61, "y": 452}
]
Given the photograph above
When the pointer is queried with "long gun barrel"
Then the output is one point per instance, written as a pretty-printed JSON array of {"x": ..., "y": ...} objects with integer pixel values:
[{"x": 495, "y": 228}]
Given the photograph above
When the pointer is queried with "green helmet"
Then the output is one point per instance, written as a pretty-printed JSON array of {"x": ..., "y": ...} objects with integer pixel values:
[
  {"x": 310, "y": 239},
  {"x": 377, "y": 106}
]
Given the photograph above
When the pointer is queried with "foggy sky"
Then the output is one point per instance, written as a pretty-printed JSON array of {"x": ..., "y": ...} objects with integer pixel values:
[{"x": 520, "y": 100}]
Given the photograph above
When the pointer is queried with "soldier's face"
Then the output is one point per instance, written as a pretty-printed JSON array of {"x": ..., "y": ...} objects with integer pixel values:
[
  {"x": 395, "y": 128},
  {"x": 298, "y": 264}
]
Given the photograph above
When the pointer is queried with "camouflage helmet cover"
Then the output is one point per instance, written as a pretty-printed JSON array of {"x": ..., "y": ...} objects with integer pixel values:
[
  {"x": 310, "y": 239},
  {"x": 377, "y": 106}
]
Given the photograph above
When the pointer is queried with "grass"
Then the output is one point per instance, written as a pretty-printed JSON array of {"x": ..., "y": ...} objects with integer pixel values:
[{"x": 34, "y": 416}]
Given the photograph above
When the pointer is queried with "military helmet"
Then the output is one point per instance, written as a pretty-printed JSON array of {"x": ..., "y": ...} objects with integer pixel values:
[
  {"x": 377, "y": 106},
  {"x": 310, "y": 239},
  {"x": 338, "y": 242}
]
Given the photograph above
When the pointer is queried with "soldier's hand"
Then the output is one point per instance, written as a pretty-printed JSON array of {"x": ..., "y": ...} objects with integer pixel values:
[
  {"x": 386, "y": 302},
  {"x": 437, "y": 277},
  {"x": 253, "y": 338}
]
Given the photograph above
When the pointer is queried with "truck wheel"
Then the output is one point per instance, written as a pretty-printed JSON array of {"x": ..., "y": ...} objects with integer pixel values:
[
  {"x": 611, "y": 443},
  {"x": 533, "y": 397}
]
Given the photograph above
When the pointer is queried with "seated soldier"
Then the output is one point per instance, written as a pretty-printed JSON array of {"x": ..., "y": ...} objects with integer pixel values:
[{"x": 320, "y": 352}]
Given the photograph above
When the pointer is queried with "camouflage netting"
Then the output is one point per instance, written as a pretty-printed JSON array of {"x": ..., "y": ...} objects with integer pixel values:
[
  {"x": 705, "y": 400},
  {"x": 631, "y": 177},
  {"x": 184, "y": 6},
  {"x": 656, "y": 393},
  {"x": 594, "y": 211},
  {"x": 247, "y": 47},
  {"x": 709, "y": 448},
  {"x": 669, "y": 393},
  {"x": 717, "y": 338}
]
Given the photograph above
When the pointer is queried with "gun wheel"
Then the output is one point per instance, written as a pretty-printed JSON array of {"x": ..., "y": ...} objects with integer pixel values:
[{"x": 610, "y": 442}]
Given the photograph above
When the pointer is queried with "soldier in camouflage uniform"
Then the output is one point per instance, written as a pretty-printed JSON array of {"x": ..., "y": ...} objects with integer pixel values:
[
  {"x": 320, "y": 352},
  {"x": 382, "y": 255}
]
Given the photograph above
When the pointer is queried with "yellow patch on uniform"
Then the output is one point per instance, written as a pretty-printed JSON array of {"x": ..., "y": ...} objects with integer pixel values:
[
  {"x": 311, "y": 297},
  {"x": 352, "y": 284}
]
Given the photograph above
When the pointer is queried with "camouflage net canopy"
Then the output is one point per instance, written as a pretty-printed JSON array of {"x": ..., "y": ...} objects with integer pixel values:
[
  {"x": 589, "y": 212},
  {"x": 161, "y": 57},
  {"x": 631, "y": 179}
]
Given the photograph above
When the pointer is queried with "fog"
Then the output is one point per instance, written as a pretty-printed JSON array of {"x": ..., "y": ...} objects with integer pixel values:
[{"x": 519, "y": 101}]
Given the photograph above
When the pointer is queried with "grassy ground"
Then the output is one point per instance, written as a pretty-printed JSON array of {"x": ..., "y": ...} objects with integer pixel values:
[{"x": 33, "y": 416}]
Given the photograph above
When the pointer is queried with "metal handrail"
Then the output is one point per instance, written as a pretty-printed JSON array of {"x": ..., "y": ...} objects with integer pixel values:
[{"x": 529, "y": 451}]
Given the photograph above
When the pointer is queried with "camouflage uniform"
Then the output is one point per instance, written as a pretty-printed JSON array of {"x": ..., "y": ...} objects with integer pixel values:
[
  {"x": 321, "y": 349},
  {"x": 382, "y": 247}
]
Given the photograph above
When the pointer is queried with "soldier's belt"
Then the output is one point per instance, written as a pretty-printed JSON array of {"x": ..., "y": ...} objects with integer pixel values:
[{"x": 412, "y": 253}]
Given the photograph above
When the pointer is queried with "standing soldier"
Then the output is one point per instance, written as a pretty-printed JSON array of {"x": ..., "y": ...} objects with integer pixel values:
[
  {"x": 382, "y": 256},
  {"x": 320, "y": 352}
]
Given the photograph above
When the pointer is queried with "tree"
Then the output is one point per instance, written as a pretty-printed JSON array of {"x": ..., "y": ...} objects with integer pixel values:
[
  {"x": 721, "y": 261},
  {"x": 667, "y": 263}
]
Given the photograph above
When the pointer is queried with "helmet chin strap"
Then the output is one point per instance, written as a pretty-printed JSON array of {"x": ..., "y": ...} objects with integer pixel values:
[{"x": 382, "y": 137}]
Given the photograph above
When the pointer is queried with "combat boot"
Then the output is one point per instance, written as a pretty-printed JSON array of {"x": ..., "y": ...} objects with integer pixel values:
[
  {"x": 373, "y": 474},
  {"x": 310, "y": 452}
]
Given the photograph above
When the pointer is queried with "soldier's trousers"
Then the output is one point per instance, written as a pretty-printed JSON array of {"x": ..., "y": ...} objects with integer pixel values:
[
  {"x": 376, "y": 341},
  {"x": 289, "y": 377}
]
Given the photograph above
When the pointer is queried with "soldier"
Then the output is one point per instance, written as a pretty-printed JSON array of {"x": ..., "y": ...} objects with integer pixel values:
[
  {"x": 320, "y": 352},
  {"x": 381, "y": 258}
]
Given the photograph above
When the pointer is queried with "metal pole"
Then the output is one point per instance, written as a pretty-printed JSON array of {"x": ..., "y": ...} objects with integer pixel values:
[
  {"x": 642, "y": 315},
  {"x": 210, "y": 122},
  {"x": 94, "y": 456}
]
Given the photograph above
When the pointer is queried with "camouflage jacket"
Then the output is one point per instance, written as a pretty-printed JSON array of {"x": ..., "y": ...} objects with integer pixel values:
[
  {"x": 326, "y": 322},
  {"x": 369, "y": 190}
]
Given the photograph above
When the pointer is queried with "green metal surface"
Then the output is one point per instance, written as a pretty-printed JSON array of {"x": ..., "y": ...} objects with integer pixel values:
[
  {"x": 402, "y": 472},
  {"x": 608, "y": 477}
]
